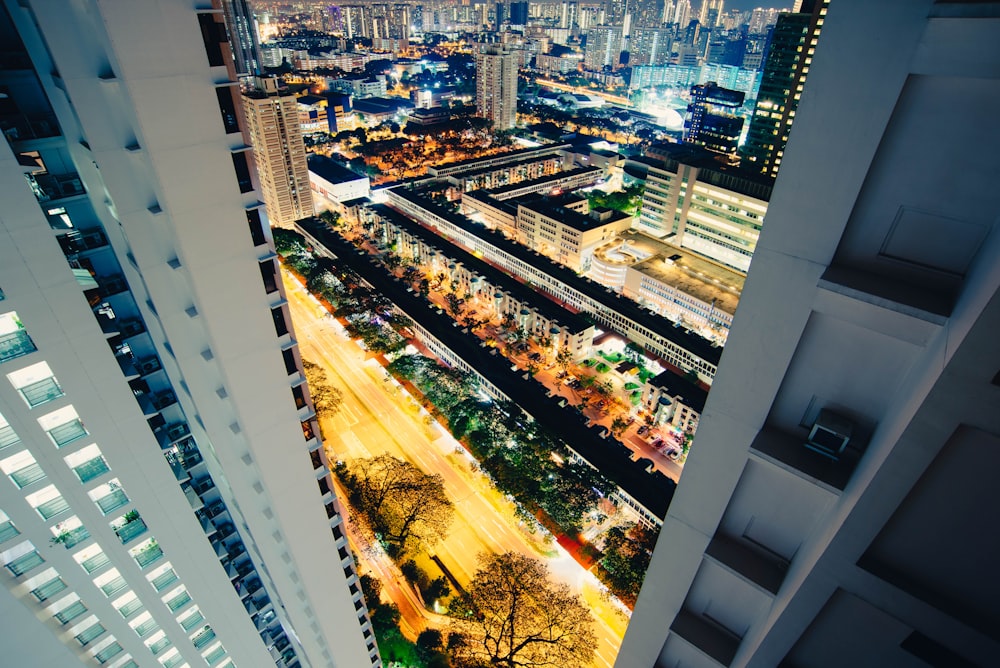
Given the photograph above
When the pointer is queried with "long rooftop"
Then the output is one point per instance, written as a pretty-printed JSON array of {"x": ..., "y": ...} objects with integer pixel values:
[{"x": 691, "y": 342}]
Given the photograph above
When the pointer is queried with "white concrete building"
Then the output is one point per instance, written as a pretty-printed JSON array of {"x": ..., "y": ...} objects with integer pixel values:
[
  {"x": 164, "y": 500},
  {"x": 838, "y": 506}
]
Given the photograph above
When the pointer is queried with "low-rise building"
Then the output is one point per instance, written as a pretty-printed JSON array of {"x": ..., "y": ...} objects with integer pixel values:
[
  {"x": 333, "y": 184},
  {"x": 313, "y": 114},
  {"x": 567, "y": 231},
  {"x": 674, "y": 400}
]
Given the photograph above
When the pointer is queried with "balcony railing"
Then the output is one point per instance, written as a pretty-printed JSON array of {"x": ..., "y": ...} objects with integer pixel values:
[
  {"x": 164, "y": 580},
  {"x": 42, "y": 391},
  {"x": 8, "y": 437},
  {"x": 112, "y": 501},
  {"x": 67, "y": 433},
  {"x": 8, "y": 531},
  {"x": 25, "y": 563},
  {"x": 20, "y": 127},
  {"x": 53, "y": 507},
  {"x": 15, "y": 344},
  {"x": 50, "y": 187},
  {"x": 95, "y": 562},
  {"x": 131, "y": 530},
  {"x": 91, "y": 469},
  {"x": 149, "y": 555},
  {"x": 31, "y": 473},
  {"x": 79, "y": 241}
]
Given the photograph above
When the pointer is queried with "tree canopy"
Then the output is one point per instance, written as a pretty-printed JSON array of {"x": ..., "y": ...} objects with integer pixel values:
[
  {"x": 515, "y": 616},
  {"x": 405, "y": 506}
]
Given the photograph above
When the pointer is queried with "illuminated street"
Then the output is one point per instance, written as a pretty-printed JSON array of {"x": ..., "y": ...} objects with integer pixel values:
[{"x": 378, "y": 417}]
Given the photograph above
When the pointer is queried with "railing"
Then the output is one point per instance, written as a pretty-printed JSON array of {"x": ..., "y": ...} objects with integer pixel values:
[
  {"x": 15, "y": 344},
  {"x": 79, "y": 241},
  {"x": 49, "y": 188},
  {"x": 67, "y": 432},
  {"x": 8, "y": 531},
  {"x": 149, "y": 555},
  {"x": 42, "y": 391},
  {"x": 52, "y": 507},
  {"x": 25, "y": 563},
  {"x": 47, "y": 590},
  {"x": 19, "y": 127},
  {"x": 29, "y": 474},
  {"x": 114, "y": 586},
  {"x": 179, "y": 601},
  {"x": 8, "y": 437},
  {"x": 112, "y": 501},
  {"x": 131, "y": 530},
  {"x": 95, "y": 562},
  {"x": 91, "y": 469},
  {"x": 164, "y": 580}
]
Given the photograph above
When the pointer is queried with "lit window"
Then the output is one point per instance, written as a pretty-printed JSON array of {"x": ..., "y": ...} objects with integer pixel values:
[{"x": 36, "y": 384}]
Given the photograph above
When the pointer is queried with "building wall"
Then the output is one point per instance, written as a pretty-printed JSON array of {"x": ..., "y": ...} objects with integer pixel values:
[
  {"x": 772, "y": 553},
  {"x": 222, "y": 476},
  {"x": 496, "y": 86}
]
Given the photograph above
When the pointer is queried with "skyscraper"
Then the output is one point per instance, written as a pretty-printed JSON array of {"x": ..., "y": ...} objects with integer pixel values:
[
  {"x": 164, "y": 497},
  {"x": 272, "y": 116},
  {"x": 496, "y": 85},
  {"x": 789, "y": 56},
  {"x": 837, "y": 505},
  {"x": 242, "y": 36},
  {"x": 603, "y": 47},
  {"x": 651, "y": 46},
  {"x": 712, "y": 121}
]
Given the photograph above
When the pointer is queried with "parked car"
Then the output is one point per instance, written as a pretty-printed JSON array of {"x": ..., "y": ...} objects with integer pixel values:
[{"x": 642, "y": 430}]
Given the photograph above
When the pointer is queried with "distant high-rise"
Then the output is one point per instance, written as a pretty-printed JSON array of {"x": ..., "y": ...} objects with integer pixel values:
[
  {"x": 273, "y": 125},
  {"x": 838, "y": 502},
  {"x": 788, "y": 58},
  {"x": 496, "y": 86},
  {"x": 712, "y": 121},
  {"x": 243, "y": 37},
  {"x": 604, "y": 47},
  {"x": 651, "y": 46},
  {"x": 164, "y": 497}
]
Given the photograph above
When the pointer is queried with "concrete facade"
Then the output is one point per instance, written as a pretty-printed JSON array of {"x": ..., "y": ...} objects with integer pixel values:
[
  {"x": 165, "y": 500},
  {"x": 837, "y": 504}
]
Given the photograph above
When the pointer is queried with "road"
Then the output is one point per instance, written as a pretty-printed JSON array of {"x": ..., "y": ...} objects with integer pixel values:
[{"x": 378, "y": 416}]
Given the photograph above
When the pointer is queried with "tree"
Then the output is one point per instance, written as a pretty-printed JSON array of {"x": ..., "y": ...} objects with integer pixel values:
[
  {"x": 564, "y": 357},
  {"x": 618, "y": 426},
  {"x": 627, "y": 551},
  {"x": 405, "y": 505},
  {"x": 327, "y": 399},
  {"x": 514, "y": 616},
  {"x": 634, "y": 352}
]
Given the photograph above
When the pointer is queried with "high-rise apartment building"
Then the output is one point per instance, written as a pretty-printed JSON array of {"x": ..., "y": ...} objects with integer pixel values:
[
  {"x": 604, "y": 47},
  {"x": 164, "y": 498},
  {"x": 712, "y": 121},
  {"x": 789, "y": 57},
  {"x": 651, "y": 46},
  {"x": 496, "y": 85},
  {"x": 243, "y": 38},
  {"x": 838, "y": 503},
  {"x": 272, "y": 116}
]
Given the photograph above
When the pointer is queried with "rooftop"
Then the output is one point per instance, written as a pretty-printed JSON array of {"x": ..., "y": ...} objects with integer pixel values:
[
  {"x": 691, "y": 342},
  {"x": 578, "y": 221},
  {"x": 331, "y": 170},
  {"x": 690, "y": 394}
]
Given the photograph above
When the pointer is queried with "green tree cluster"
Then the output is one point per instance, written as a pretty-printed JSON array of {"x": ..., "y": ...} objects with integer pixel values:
[
  {"x": 627, "y": 551},
  {"x": 512, "y": 450}
]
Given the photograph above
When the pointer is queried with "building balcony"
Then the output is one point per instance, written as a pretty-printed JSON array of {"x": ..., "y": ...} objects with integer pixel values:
[
  {"x": 708, "y": 637},
  {"x": 753, "y": 565},
  {"x": 19, "y": 128},
  {"x": 111, "y": 285},
  {"x": 53, "y": 188},
  {"x": 131, "y": 530},
  {"x": 81, "y": 241},
  {"x": 789, "y": 451},
  {"x": 15, "y": 344}
]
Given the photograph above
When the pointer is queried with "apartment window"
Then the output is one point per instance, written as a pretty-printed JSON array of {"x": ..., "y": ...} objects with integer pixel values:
[
  {"x": 108, "y": 653},
  {"x": 109, "y": 496},
  {"x": 48, "y": 589},
  {"x": 256, "y": 227},
  {"x": 96, "y": 562},
  {"x": 324, "y": 486},
  {"x": 36, "y": 384},
  {"x": 88, "y": 463},
  {"x": 269, "y": 275},
  {"x": 178, "y": 600},
  {"x": 164, "y": 579},
  {"x": 203, "y": 637},
  {"x": 90, "y": 634},
  {"x": 242, "y": 168},
  {"x": 212, "y": 34},
  {"x": 22, "y": 469},
  {"x": 288, "y": 356},
  {"x": 63, "y": 426},
  {"x": 113, "y": 584},
  {"x": 227, "y": 107},
  {"x": 14, "y": 339},
  {"x": 9, "y": 437},
  {"x": 128, "y": 605},
  {"x": 144, "y": 625},
  {"x": 47, "y": 502},
  {"x": 280, "y": 323},
  {"x": 300, "y": 399},
  {"x": 192, "y": 620},
  {"x": 159, "y": 644},
  {"x": 71, "y": 612},
  {"x": 331, "y": 510},
  {"x": 27, "y": 558}
]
